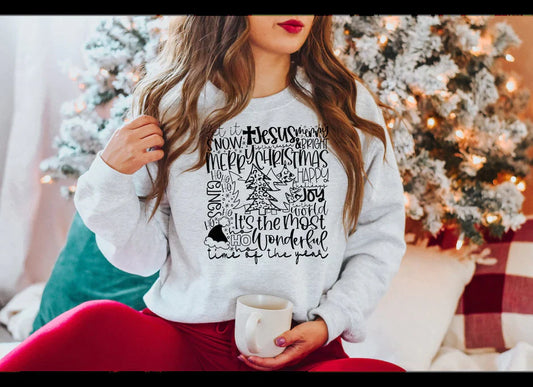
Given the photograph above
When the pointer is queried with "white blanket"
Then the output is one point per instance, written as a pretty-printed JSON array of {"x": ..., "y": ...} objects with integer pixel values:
[
  {"x": 5, "y": 348},
  {"x": 20, "y": 311},
  {"x": 518, "y": 358},
  {"x": 18, "y": 315}
]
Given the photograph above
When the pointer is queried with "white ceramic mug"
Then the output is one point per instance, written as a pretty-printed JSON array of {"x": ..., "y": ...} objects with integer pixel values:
[{"x": 259, "y": 319}]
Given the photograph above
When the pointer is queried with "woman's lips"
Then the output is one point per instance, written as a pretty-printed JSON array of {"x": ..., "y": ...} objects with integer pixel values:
[{"x": 292, "y": 26}]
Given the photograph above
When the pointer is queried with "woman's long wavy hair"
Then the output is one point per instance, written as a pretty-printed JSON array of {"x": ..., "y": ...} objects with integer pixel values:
[{"x": 216, "y": 49}]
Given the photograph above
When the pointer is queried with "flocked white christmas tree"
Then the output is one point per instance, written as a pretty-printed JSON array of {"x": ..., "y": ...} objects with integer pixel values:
[
  {"x": 458, "y": 137},
  {"x": 456, "y": 127},
  {"x": 114, "y": 54}
]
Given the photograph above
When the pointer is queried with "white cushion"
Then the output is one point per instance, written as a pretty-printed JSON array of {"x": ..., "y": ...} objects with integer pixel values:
[{"x": 409, "y": 323}]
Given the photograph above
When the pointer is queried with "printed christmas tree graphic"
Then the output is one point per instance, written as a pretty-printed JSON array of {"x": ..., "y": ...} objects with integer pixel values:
[
  {"x": 285, "y": 175},
  {"x": 280, "y": 181},
  {"x": 295, "y": 194},
  {"x": 262, "y": 200}
]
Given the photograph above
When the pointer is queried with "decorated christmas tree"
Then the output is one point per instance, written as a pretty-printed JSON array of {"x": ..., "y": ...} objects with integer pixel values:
[
  {"x": 115, "y": 55},
  {"x": 261, "y": 199},
  {"x": 455, "y": 121}
]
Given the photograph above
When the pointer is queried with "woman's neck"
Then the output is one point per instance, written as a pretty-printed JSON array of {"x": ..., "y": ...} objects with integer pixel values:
[{"x": 270, "y": 73}]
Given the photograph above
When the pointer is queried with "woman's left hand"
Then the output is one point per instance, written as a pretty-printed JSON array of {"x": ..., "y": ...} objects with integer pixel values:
[{"x": 299, "y": 342}]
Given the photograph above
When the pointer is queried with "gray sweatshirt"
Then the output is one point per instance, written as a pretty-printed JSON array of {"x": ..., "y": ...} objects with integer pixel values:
[{"x": 264, "y": 215}]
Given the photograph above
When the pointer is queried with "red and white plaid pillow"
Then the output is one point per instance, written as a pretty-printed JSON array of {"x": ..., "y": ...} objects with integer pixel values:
[{"x": 495, "y": 311}]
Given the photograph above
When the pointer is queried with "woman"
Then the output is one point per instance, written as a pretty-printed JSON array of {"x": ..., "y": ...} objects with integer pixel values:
[{"x": 254, "y": 162}]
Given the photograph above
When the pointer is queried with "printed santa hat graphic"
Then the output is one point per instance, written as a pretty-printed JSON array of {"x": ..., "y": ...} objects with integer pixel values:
[{"x": 216, "y": 237}]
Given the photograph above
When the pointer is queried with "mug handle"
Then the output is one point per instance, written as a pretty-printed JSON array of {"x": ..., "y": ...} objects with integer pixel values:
[{"x": 251, "y": 332}]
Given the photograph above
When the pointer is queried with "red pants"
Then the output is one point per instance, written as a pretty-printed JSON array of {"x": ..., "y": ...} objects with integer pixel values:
[{"x": 110, "y": 336}]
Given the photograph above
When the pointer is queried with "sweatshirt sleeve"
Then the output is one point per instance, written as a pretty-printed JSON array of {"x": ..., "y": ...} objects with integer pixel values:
[
  {"x": 107, "y": 201},
  {"x": 374, "y": 252}
]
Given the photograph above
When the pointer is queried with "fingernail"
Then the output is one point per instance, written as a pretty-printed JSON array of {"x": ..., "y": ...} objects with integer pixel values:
[
  {"x": 280, "y": 341},
  {"x": 240, "y": 357}
]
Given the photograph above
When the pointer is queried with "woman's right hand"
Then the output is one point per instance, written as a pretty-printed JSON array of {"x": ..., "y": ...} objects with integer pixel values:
[{"x": 127, "y": 150}]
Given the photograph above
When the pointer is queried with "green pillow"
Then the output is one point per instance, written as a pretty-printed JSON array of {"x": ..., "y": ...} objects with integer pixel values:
[{"x": 82, "y": 273}]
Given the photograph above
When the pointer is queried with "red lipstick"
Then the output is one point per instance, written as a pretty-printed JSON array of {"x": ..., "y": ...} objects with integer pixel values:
[{"x": 292, "y": 26}]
